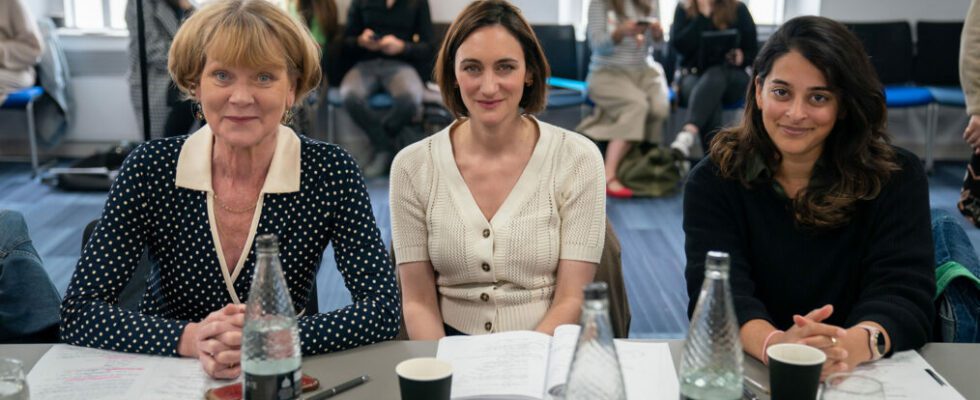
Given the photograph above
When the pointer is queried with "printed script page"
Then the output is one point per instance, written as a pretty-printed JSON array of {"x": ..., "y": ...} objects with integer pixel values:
[
  {"x": 68, "y": 372},
  {"x": 562, "y": 350},
  {"x": 905, "y": 376}
]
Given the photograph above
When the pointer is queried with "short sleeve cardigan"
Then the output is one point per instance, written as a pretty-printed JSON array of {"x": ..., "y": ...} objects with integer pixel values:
[
  {"x": 162, "y": 201},
  {"x": 499, "y": 275}
]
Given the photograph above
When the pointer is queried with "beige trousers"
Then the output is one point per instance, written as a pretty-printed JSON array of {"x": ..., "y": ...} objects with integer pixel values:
[{"x": 630, "y": 104}]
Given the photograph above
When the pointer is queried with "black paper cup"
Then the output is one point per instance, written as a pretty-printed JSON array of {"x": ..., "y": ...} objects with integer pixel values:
[
  {"x": 424, "y": 378},
  {"x": 794, "y": 371}
]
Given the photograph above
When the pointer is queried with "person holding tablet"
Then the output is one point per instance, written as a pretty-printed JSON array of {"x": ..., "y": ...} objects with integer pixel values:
[{"x": 706, "y": 83}]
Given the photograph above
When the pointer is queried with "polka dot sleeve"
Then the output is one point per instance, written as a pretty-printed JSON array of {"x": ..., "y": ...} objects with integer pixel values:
[
  {"x": 363, "y": 262},
  {"x": 90, "y": 314}
]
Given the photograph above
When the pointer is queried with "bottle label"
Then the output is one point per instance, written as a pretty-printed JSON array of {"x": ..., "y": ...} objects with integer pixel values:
[{"x": 279, "y": 387}]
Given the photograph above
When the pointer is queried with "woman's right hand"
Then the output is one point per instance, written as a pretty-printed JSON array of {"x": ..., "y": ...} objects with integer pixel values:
[
  {"x": 218, "y": 340},
  {"x": 366, "y": 40},
  {"x": 972, "y": 133}
]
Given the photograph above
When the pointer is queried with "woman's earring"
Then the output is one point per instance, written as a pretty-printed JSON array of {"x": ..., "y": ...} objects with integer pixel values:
[
  {"x": 287, "y": 118},
  {"x": 198, "y": 112}
]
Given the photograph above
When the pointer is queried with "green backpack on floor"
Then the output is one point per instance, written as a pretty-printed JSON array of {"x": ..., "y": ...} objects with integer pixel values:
[{"x": 650, "y": 170}]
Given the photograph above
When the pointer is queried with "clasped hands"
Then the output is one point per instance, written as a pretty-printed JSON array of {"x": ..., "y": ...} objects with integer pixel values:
[
  {"x": 217, "y": 342},
  {"x": 387, "y": 44},
  {"x": 844, "y": 349}
]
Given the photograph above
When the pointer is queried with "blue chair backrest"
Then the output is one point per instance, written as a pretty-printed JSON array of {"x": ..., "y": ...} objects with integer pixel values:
[
  {"x": 558, "y": 42},
  {"x": 890, "y": 46},
  {"x": 937, "y": 52}
]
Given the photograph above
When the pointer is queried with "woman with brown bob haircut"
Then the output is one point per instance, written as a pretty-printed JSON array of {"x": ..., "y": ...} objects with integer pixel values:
[
  {"x": 826, "y": 223},
  {"x": 498, "y": 221},
  {"x": 196, "y": 203}
]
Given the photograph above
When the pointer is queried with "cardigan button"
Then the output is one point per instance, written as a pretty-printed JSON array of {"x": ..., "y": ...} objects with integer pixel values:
[
  {"x": 485, "y": 297},
  {"x": 486, "y": 233},
  {"x": 488, "y": 326},
  {"x": 486, "y": 267}
]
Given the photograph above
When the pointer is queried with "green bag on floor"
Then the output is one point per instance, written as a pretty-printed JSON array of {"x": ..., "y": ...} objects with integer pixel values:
[{"x": 650, "y": 170}]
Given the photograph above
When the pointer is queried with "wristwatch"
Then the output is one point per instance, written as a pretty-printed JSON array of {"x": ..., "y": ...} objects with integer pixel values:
[{"x": 876, "y": 342}]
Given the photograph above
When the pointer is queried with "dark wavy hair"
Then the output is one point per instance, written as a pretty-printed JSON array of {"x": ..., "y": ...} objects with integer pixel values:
[
  {"x": 857, "y": 158},
  {"x": 723, "y": 12}
]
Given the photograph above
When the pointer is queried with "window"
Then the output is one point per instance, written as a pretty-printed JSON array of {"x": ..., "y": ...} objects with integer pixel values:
[
  {"x": 764, "y": 12},
  {"x": 107, "y": 14},
  {"x": 95, "y": 14}
]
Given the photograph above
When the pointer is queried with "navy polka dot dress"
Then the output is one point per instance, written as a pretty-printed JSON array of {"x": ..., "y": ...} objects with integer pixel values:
[{"x": 146, "y": 210}]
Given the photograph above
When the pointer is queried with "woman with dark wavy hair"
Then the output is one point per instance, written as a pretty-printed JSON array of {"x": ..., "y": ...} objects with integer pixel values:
[{"x": 826, "y": 223}]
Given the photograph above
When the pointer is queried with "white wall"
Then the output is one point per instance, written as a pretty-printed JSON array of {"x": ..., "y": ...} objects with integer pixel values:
[
  {"x": 535, "y": 11},
  {"x": 890, "y": 10},
  {"x": 796, "y": 8}
]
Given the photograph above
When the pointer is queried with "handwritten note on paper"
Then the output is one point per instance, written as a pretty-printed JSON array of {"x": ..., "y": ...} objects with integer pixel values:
[
  {"x": 508, "y": 364},
  {"x": 68, "y": 372},
  {"x": 904, "y": 377},
  {"x": 648, "y": 370}
]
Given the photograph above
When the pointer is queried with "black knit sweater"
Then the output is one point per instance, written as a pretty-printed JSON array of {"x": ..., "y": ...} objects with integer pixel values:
[{"x": 878, "y": 267}]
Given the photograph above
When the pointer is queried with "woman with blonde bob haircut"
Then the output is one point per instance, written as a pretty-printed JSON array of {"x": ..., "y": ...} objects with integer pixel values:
[
  {"x": 498, "y": 221},
  {"x": 197, "y": 202}
]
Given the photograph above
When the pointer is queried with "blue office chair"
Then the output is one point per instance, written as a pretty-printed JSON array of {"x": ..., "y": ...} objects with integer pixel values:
[
  {"x": 891, "y": 49},
  {"x": 24, "y": 100},
  {"x": 937, "y": 68}
]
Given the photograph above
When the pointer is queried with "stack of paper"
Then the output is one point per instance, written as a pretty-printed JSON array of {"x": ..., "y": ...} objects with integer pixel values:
[{"x": 68, "y": 372}]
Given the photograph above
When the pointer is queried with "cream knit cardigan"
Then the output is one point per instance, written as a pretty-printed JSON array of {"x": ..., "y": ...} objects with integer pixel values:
[{"x": 499, "y": 275}]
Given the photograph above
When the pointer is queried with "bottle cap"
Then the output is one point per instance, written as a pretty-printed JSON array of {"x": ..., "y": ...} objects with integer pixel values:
[
  {"x": 267, "y": 242},
  {"x": 717, "y": 260},
  {"x": 596, "y": 291}
]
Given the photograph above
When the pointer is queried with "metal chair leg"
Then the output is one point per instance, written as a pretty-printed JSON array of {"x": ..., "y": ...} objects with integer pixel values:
[
  {"x": 932, "y": 125},
  {"x": 35, "y": 165}
]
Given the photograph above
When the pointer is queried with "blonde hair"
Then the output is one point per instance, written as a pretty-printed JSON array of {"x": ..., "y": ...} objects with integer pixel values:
[{"x": 248, "y": 33}]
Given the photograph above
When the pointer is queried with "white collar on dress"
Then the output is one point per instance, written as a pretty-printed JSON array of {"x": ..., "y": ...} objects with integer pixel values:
[{"x": 194, "y": 163}]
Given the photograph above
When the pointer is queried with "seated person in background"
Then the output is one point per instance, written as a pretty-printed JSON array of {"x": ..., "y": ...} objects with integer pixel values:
[
  {"x": 630, "y": 95},
  {"x": 197, "y": 202},
  {"x": 321, "y": 17},
  {"x": 20, "y": 47},
  {"x": 29, "y": 301},
  {"x": 169, "y": 114},
  {"x": 826, "y": 223},
  {"x": 498, "y": 220},
  {"x": 705, "y": 88},
  {"x": 387, "y": 41}
]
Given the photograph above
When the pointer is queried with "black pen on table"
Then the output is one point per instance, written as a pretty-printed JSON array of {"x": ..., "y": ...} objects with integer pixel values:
[
  {"x": 935, "y": 376},
  {"x": 343, "y": 387}
]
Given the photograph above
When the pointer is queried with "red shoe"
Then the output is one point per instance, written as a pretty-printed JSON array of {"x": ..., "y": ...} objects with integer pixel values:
[{"x": 622, "y": 193}]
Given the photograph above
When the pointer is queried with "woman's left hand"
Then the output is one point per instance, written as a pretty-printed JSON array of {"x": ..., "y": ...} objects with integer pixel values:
[
  {"x": 832, "y": 345},
  {"x": 391, "y": 45}
]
